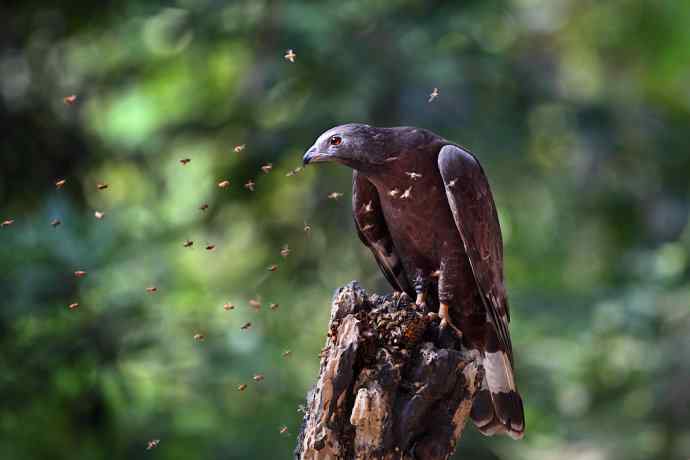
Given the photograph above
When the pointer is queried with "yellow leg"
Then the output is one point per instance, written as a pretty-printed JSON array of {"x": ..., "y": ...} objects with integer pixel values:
[
  {"x": 421, "y": 300},
  {"x": 421, "y": 285},
  {"x": 445, "y": 318}
]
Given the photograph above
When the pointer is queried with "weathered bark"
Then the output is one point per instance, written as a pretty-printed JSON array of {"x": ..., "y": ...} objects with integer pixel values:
[{"x": 390, "y": 385}]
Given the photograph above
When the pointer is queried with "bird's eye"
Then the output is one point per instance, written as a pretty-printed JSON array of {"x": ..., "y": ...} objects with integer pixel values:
[{"x": 335, "y": 140}]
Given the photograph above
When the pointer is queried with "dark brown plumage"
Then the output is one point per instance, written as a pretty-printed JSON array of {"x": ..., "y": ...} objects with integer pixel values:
[{"x": 435, "y": 235}]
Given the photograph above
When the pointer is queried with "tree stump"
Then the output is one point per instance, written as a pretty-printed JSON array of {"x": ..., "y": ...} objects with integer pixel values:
[{"x": 391, "y": 386}]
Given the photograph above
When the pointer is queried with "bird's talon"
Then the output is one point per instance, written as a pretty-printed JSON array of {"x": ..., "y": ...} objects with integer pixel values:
[
  {"x": 420, "y": 302},
  {"x": 445, "y": 319},
  {"x": 447, "y": 324}
]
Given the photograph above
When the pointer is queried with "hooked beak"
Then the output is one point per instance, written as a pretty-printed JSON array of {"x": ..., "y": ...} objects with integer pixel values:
[{"x": 313, "y": 156}]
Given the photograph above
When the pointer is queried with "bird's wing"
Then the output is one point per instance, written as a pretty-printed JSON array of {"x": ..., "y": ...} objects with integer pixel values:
[
  {"x": 498, "y": 407},
  {"x": 474, "y": 212},
  {"x": 373, "y": 231}
]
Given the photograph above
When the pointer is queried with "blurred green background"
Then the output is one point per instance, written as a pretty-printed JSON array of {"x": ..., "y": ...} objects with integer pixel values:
[{"x": 578, "y": 109}]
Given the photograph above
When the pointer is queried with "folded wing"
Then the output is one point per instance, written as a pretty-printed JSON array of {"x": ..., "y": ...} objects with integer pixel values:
[
  {"x": 373, "y": 231},
  {"x": 498, "y": 408}
]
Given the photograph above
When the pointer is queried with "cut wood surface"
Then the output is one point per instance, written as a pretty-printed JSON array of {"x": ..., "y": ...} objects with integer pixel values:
[{"x": 391, "y": 385}]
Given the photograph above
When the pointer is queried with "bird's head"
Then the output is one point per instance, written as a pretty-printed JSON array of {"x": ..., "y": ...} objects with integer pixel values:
[{"x": 358, "y": 146}]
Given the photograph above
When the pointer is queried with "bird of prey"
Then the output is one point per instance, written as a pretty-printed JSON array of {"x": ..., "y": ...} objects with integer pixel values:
[{"x": 442, "y": 244}]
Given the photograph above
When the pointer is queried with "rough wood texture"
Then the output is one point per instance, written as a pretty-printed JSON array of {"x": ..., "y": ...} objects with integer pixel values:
[{"x": 390, "y": 385}]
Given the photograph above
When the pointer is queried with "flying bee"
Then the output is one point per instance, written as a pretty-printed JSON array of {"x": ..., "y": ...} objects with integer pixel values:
[
  {"x": 152, "y": 444},
  {"x": 287, "y": 353},
  {"x": 452, "y": 183},
  {"x": 184, "y": 161},
  {"x": 151, "y": 289},
  {"x": 267, "y": 168},
  {"x": 70, "y": 100},
  {"x": 224, "y": 184},
  {"x": 250, "y": 185},
  {"x": 274, "y": 306},
  {"x": 394, "y": 193},
  {"x": 284, "y": 430},
  {"x": 258, "y": 377},
  {"x": 285, "y": 251},
  {"x": 367, "y": 208},
  {"x": 80, "y": 273},
  {"x": 73, "y": 306},
  {"x": 434, "y": 94},
  {"x": 210, "y": 247},
  {"x": 334, "y": 195},
  {"x": 188, "y": 243},
  {"x": 255, "y": 304},
  {"x": 272, "y": 268},
  {"x": 413, "y": 175},
  {"x": 294, "y": 172},
  {"x": 241, "y": 387},
  {"x": 407, "y": 193},
  {"x": 290, "y": 55},
  {"x": 60, "y": 183},
  {"x": 228, "y": 306},
  {"x": 199, "y": 337},
  {"x": 101, "y": 186},
  {"x": 239, "y": 148},
  {"x": 203, "y": 207},
  {"x": 99, "y": 215},
  {"x": 55, "y": 222},
  {"x": 6, "y": 222},
  {"x": 246, "y": 326}
]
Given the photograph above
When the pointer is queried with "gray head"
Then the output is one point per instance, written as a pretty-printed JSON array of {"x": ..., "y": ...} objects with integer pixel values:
[{"x": 356, "y": 145}]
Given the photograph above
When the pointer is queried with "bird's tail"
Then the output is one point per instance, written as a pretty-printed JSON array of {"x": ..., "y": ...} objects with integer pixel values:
[{"x": 497, "y": 407}]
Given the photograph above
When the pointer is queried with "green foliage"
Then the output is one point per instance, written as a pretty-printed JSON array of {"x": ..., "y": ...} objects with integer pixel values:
[{"x": 577, "y": 109}]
